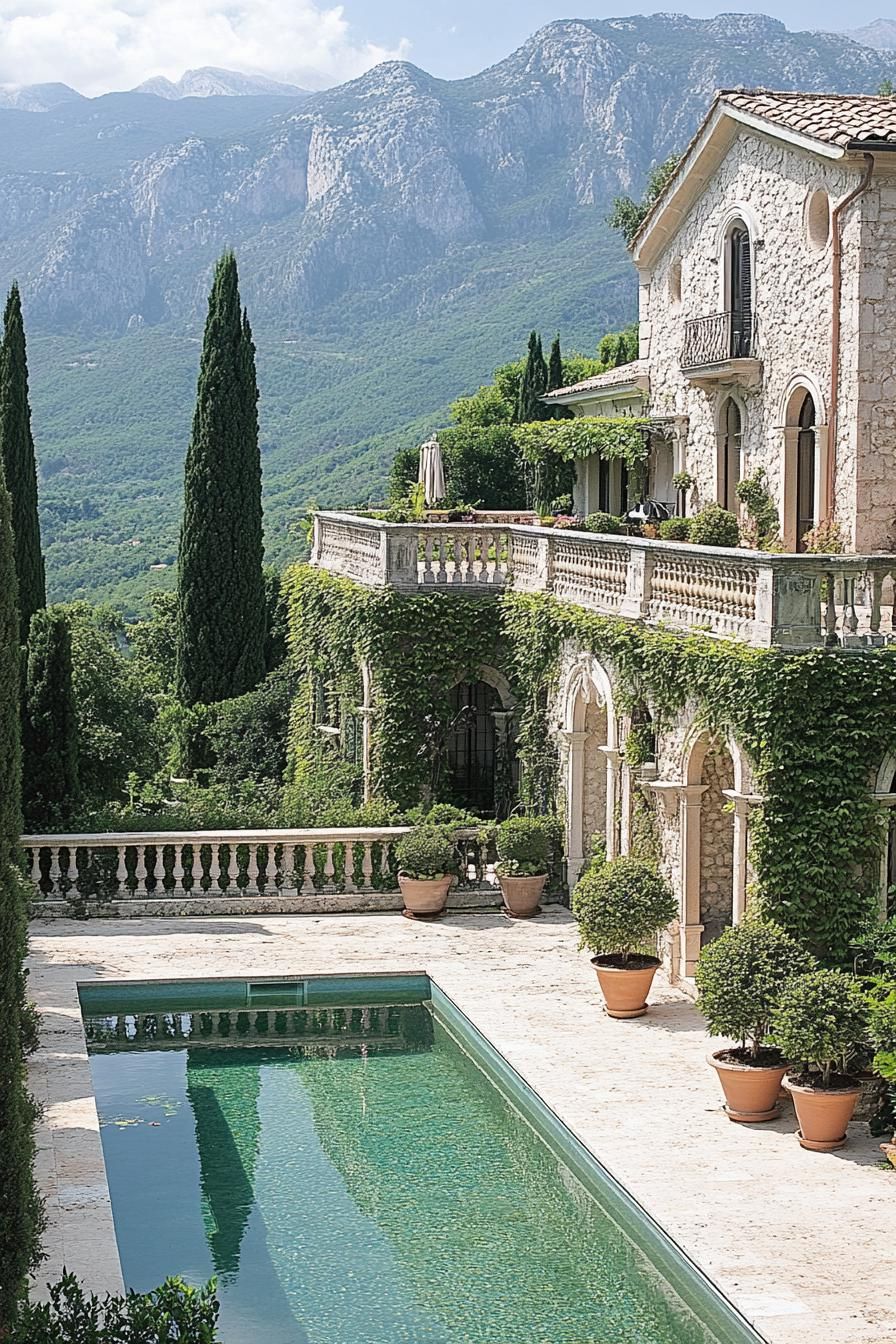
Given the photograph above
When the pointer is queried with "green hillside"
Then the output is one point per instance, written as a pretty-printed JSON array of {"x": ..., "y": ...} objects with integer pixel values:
[{"x": 112, "y": 415}]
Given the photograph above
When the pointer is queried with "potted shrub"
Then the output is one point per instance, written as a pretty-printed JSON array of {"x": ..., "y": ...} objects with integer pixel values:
[
  {"x": 427, "y": 862},
  {"x": 820, "y": 1019},
  {"x": 740, "y": 978},
  {"x": 620, "y": 907},
  {"x": 523, "y": 848}
]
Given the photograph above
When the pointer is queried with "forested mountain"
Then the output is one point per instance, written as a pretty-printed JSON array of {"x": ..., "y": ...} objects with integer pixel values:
[{"x": 397, "y": 237}]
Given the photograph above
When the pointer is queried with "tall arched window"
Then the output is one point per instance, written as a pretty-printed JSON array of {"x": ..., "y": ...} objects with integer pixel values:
[
  {"x": 740, "y": 290},
  {"x": 806, "y": 453},
  {"x": 730, "y": 438}
]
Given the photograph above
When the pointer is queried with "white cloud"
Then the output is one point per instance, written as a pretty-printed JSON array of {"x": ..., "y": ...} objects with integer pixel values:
[{"x": 97, "y": 45}]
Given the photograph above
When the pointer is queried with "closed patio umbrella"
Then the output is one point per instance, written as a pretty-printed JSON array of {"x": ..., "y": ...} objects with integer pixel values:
[{"x": 432, "y": 473}]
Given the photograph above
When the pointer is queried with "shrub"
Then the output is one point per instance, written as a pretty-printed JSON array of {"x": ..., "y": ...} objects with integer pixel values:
[
  {"x": 762, "y": 524},
  {"x": 820, "y": 1019},
  {"x": 682, "y": 480},
  {"x": 714, "y": 526},
  {"x": 523, "y": 845},
  {"x": 606, "y": 523},
  {"x": 675, "y": 529},
  {"x": 621, "y": 906},
  {"x": 882, "y": 1029},
  {"x": 562, "y": 504},
  {"x": 426, "y": 852},
  {"x": 740, "y": 977},
  {"x": 172, "y": 1314},
  {"x": 569, "y": 523}
]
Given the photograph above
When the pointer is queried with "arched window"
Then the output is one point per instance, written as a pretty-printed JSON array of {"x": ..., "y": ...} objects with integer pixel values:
[
  {"x": 730, "y": 439},
  {"x": 740, "y": 289},
  {"x": 805, "y": 471}
]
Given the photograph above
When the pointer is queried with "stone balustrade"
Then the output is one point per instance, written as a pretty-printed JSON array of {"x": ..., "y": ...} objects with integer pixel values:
[
  {"x": 217, "y": 872},
  {"x": 766, "y": 599}
]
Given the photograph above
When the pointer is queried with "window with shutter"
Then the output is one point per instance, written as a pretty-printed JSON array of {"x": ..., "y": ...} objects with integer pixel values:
[{"x": 741, "y": 290}]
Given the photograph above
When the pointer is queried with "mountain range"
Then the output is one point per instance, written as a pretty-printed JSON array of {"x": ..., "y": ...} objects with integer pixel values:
[{"x": 397, "y": 237}]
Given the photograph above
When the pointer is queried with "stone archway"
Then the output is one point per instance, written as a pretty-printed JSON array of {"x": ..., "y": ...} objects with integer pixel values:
[{"x": 592, "y": 761}]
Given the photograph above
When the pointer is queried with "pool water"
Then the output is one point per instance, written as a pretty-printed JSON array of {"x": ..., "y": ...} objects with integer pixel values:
[{"x": 351, "y": 1176}]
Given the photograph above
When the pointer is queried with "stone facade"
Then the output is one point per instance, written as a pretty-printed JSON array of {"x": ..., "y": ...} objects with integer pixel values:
[
  {"x": 716, "y": 844},
  {"x": 784, "y": 191}
]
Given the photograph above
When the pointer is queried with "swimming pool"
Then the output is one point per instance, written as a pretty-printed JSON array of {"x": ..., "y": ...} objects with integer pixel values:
[{"x": 357, "y": 1165}]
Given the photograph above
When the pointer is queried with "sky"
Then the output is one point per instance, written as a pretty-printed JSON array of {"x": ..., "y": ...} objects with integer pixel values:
[{"x": 98, "y": 45}]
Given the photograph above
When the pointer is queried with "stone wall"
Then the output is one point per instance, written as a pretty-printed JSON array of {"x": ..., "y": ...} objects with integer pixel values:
[
  {"x": 594, "y": 784},
  {"x": 869, "y": 410},
  {"x": 769, "y": 186}
]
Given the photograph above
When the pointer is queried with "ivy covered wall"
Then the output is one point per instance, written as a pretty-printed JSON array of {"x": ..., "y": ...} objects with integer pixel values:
[{"x": 816, "y": 725}]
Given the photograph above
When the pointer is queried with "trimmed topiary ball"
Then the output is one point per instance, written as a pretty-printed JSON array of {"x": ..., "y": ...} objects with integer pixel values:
[
  {"x": 714, "y": 526},
  {"x": 425, "y": 853},
  {"x": 621, "y": 907},
  {"x": 820, "y": 1020}
]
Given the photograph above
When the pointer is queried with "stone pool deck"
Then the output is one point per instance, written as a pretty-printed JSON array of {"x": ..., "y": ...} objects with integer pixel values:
[{"x": 804, "y": 1244}]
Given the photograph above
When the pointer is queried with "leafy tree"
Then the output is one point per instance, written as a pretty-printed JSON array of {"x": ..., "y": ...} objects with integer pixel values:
[
  {"x": 534, "y": 384},
  {"x": 115, "y": 711},
  {"x": 50, "y": 755},
  {"x": 277, "y": 620},
  {"x": 248, "y": 735},
  {"x": 886, "y": 88},
  {"x": 154, "y": 643},
  {"x": 555, "y": 366},
  {"x": 627, "y": 215},
  {"x": 486, "y": 407},
  {"x": 20, "y": 1210},
  {"x": 619, "y": 347},
  {"x": 221, "y": 595},
  {"x": 17, "y": 458}
]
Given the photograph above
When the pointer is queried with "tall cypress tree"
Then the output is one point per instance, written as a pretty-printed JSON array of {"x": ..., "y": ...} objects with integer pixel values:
[
  {"x": 49, "y": 726},
  {"x": 220, "y": 587},
  {"x": 20, "y": 1209},
  {"x": 17, "y": 456},
  {"x": 555, "y": 366},
  {"x": 534, "y": 384}
]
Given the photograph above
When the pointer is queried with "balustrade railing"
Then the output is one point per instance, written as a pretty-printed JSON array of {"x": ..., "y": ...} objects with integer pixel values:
[
  {"x": 715, "y": 339},
  {"x": 211, "y": 866},
  {"x": 788, "y": 601}
]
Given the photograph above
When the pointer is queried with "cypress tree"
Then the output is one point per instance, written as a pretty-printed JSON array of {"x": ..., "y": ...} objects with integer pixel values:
[
  {"x": 221, "y": 592},
  {"x": 555, "y": 366},
  {"x": 534, "y": 384},
  {"x": 50, "y": 744},
  {"x": 20, "y": 1210},
  {"x": 17, "y": 456}
]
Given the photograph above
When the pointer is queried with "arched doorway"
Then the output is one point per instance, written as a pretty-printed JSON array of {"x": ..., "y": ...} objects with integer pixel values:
[
  {"x": 592, "y": 762},
  {"x": 806, "y": 472},
  {"x": 480, "y": 760}
]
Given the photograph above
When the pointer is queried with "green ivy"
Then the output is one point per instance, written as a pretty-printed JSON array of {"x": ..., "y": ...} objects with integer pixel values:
[
  {"x": 815, "y": 725},
  {"x": 417, "y": 646}
]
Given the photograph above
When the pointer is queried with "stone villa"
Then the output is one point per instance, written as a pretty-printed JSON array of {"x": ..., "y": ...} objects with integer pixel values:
[{"x": 767, "y": 330}]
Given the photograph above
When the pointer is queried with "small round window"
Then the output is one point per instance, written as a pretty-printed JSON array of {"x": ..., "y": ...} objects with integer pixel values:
[
  {"x": 818, "y": 220},
  {"x": 675, "y": 283}
]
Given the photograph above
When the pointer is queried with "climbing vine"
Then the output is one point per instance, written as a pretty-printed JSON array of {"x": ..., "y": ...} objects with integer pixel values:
[
  {"x": 815, "y": 725},
  {"x": 418, "y": 648},
  {"x": 546, "y": 445}
]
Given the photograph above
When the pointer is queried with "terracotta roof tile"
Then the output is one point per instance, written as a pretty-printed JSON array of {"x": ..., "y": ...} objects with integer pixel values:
[
  {"x": 835, "y": 119},
  {"x": 617, "y": 377}
]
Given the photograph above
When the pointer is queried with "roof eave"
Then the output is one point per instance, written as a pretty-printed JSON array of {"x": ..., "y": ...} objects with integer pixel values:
[
  {"x": 639, "y": 386},
  {"x": 701, "y": 159}
]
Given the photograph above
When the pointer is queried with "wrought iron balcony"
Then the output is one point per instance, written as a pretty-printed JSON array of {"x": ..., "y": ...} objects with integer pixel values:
[{"x": 718, "y": 340}]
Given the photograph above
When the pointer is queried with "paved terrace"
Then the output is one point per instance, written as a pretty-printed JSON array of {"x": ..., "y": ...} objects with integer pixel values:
[{"x": 804, "y": 1244}]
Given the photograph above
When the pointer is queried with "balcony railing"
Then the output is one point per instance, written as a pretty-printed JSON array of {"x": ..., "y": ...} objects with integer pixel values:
[
  {"x": 768, "y": 600},
  {"x": 228, "y": 872},
  {"x": 717, "y": 339}
]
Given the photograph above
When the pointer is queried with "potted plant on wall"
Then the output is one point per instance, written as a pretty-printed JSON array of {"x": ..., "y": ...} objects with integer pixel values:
[
  {"x": 621, "y": 906},
  {"x": 740, "y": 978},
  {"x": 820, "y": 1019},
  {"x": 523, "y": 846},
  {"x": 427, "y": 863}
]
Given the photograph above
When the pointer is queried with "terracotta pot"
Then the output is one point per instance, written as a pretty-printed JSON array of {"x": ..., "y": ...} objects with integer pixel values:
[
  {"x": 625, "y": 991},
  {"x": 823, "y": 1114},
  {"x": 522, "y": 894},
  {"x": 427, "y": 897},
  {"x": 751, "y": 1094}
]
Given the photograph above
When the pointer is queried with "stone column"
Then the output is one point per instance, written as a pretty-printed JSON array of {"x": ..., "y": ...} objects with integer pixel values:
[
  {"x": 575, "y": 786},
  {"x": 503, "y": 760},
  {"x": 366, "y": 713},
  {"x": 613, "y": 765},
  {"x": 690, "y": 809},
  {"x": 743, "y": 803}
]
